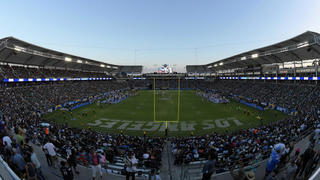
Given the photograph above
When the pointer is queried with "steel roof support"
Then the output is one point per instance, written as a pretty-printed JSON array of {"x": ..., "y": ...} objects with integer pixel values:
[
  {"x": 1, "y": 50},
  {"x": 43, "y": 63},
  {"x": 295, "y": 55},
  {"x": 57, "y": 62},
  {"x": 28, "y": 59},
  {"x": 278, "y": 60},
  {"x": 266, "y": 60},
  {"x": 316, "y": 39},
  {"x": 9, "y": 55},
  {"x": 316, "y": 62},
  {"x": 315, "y": 50}
]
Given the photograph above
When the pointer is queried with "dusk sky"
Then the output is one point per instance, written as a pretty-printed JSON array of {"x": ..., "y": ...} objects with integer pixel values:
[{"x": 155, "y": 32}]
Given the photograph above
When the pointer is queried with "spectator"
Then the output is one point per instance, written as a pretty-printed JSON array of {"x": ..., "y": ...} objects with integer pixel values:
[
  {"x": 272, "y": 176},
  {"x": 72, "y": 161},
  {"x": 94, "y": 160},
  {"x": 209, "y": 167},
  {"x": 131, "y": 166},
  {"x": 66, "y": 171},
  {"x": 6, "y": 139},
  {"x": 304, "y": 159},
  {"x": 36, "y": 162},
  {"x": 52, "y": 153},
  {"x": 102, "y": 159},
  {"x": 273, "y": 161},
  {"x": 291, "y": 171},
  {"x": 19, "y": 163},
  {"x": 153, "y": 175},
  {"x": 241, "y": 175},
  {"x": 30, "y": 169}
]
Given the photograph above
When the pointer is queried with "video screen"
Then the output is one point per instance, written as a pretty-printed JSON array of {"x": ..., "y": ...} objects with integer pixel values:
[{"x": 165, "y": 69}]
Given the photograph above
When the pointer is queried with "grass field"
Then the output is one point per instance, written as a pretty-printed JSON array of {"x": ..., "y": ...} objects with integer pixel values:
[{"x": 136, "y": 115}]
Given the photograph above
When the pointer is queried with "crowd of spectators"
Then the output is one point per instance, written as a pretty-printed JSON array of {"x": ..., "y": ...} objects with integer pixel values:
[
  {"x": 212, "y": 96},
  {"x": 258, "y": 143},
  {"x": 14, "y": 71},
  {"x": 21, "y": 107},
  {"x": 284, "y": 95}
]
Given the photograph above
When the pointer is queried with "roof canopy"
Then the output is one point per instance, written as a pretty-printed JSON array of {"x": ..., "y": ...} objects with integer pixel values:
[
  {"x": 16, "y": 51},
  {"x": 302, "y": 47}
]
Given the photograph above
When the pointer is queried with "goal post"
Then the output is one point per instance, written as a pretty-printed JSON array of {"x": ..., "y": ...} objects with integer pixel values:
[{"x": 155, "y": 106}]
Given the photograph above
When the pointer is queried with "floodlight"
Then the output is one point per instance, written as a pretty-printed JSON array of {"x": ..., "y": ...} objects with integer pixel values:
[
  {"x": 68, "y": 59},
  {"x": 17, "y": 48},
  {"x": 303, "y": 44},
  {"x": 254, "y": 55}
]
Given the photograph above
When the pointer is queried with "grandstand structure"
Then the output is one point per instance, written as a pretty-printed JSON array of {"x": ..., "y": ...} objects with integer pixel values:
[
  {"x": 45, "y": 63},
  {"x": 295, "y": 57}
]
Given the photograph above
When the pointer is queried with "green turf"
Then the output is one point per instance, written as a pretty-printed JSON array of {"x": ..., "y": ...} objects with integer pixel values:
[{"x": 138, "y": 111}]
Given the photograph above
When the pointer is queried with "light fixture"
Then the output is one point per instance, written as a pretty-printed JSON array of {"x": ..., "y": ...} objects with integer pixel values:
[
  {"x": 68, "y": 59},
  {"x": 254, "y": 55}
]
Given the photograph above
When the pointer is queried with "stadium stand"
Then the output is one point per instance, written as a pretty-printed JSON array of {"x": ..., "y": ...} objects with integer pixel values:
[{"x": 23, "y": 102}]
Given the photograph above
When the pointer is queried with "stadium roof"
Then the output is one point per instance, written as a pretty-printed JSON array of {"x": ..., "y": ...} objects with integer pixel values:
[
  {"x": 13, "y": 50},
  {"x": 302, "y": 47}
]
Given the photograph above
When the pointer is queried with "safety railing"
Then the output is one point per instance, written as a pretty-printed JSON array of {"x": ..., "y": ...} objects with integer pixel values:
[{"x": 6, "y": 171}]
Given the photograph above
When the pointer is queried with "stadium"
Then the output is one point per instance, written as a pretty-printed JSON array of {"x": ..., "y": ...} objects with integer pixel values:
[{"x": 253, "y": 115}]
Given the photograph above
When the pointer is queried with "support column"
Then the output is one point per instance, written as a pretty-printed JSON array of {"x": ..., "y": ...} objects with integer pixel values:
[
  {"x": 294, "y": 71},
  {"x": 316, "y": 70}
]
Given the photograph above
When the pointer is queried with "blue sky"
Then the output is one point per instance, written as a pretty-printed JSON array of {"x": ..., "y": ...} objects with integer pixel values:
[{"x": 150, "y": 32}]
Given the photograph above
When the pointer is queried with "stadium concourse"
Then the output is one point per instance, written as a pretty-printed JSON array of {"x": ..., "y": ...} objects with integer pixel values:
[{"x": 36, "y": 81}]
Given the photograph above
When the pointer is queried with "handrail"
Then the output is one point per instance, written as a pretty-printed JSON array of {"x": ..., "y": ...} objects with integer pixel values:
[
  {"x": 12, "y": 174},
  {"x": 315, "y": 175}
]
